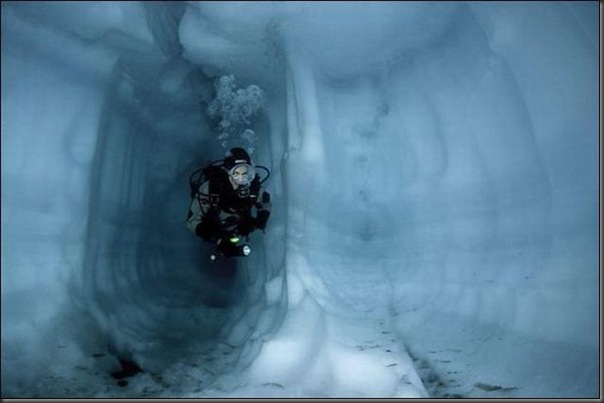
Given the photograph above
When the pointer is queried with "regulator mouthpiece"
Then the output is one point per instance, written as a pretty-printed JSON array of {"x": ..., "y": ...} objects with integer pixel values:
[{"x": 243, "y": 191}]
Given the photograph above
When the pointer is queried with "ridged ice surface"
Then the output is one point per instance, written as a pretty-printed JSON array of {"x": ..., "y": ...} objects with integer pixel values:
[{"x": 435, "y": 200}]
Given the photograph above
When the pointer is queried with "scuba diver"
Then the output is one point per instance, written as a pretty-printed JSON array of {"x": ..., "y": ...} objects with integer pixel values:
[{"x": 225, "y": 196}]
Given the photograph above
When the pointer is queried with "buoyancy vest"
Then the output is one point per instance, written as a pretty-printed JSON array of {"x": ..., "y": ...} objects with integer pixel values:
[{"x": 224, "y": 197}]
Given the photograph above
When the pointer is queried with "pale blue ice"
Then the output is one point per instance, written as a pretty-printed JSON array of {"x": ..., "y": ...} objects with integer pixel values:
[{"x": 435, "y": 200}]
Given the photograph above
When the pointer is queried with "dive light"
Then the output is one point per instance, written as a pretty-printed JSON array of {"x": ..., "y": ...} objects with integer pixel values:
[{"x": 231, "y": 249}]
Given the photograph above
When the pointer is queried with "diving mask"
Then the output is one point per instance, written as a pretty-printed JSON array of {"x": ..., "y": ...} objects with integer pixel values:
[{"x": 242, "y": 174}]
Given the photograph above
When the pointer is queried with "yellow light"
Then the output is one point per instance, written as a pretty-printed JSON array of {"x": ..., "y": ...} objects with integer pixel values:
[{"x": 234, "y": 239}]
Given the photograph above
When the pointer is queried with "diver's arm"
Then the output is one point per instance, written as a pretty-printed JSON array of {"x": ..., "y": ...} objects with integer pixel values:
[
  {"x": 199, "y": 208},
  {"x": 264, "y": 207}
]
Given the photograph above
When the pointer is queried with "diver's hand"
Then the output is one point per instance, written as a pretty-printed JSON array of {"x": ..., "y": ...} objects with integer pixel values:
[
  {"x": 209, "y": 227},
  {"x": 205, "y": 232},
  {"x": 262, "y": 218},
  {"x": 246, "y": 225}
]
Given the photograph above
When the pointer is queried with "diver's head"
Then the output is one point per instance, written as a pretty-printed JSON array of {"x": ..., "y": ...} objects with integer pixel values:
[{"x": 239, "y": 167}]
